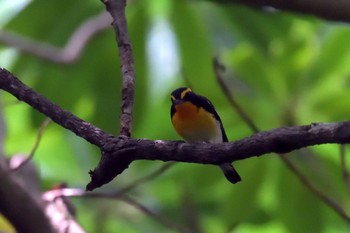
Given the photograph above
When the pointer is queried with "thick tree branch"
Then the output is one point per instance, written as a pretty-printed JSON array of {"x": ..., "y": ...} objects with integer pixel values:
[
  {"x": 337, "y": 10},
  {"x": 118, "y": 152},
  {"x": 281, "y": 140},
  {"x": 66, "y": 119},
  {"x": 117, "y": 10},
  {"x": 24, "y": 205},
  {"x": 22, "y": 208}
]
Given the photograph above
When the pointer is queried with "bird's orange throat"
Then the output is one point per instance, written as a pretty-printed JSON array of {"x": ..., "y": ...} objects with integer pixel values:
[
  {"x": 186, "y": 110},
  {"x": 195, "y": 124}
]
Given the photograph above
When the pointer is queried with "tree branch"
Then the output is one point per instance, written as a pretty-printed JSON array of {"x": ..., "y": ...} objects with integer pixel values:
[
  {"x": 322, "y": 196},
  {"x": 219, "y": 68},
  {"x": 280, "y": 140},
  {"x": 331, "y": 10},
  {"x": 71, "y": 192},
  {"x": 66, "y": 119},
  {"x": 118, "y": 152},
  {"x": 117, "y": 10},
  {"x": 58, "y": 210},
  {"x": 22, "y": 208},
  {"x": 73, "y": 48},
  {"x": 146, "y": 178}
]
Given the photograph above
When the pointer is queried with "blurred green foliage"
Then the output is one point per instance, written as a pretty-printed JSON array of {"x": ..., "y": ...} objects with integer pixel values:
[{"x": 284, "y": 69}]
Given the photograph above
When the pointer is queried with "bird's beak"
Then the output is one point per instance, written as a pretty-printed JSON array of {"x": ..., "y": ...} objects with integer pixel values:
[{"x": 178, "y": 101}]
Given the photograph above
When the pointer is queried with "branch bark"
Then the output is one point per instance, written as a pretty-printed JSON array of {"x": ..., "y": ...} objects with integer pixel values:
[
  {"x": 281, "y": 140},
  {"x": 66, "y": 119},
  {"x": 117, "y": 10},
  {"x": 118, "y": 152},
  {"x": 23, "y": 209}
]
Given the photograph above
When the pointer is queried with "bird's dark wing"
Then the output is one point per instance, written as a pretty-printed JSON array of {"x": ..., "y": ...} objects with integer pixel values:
[{"x": 208, "y": 106}]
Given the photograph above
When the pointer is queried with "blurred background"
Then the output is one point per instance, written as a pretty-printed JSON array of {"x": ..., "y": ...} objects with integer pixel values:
[{"x": 282, "y": 68}]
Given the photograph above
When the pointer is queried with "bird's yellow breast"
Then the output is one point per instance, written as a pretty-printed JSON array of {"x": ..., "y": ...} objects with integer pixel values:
[{"x": 194, "y": 123}]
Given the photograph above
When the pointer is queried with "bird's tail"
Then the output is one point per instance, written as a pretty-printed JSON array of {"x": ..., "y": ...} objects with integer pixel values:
[{"x": 230, "y": 173}]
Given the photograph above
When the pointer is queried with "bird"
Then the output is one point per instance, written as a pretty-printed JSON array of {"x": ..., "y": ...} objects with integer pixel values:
[{"x": 195, "y": 119}]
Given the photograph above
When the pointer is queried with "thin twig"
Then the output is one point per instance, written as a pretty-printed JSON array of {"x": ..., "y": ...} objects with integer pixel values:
[
  {"x": 190, "y": 213},
  {"x": 3, "y": 126},
  {"x": 326, "y": 199},
  {"x": 159, "y": 218},
  {"x": 73, "y": 48},
  {"x": 219, "y": 68},
  {"x": 147, "y": 178},
  {"x": 43, "y": 126},
  {"x": 117, "y": 10}
]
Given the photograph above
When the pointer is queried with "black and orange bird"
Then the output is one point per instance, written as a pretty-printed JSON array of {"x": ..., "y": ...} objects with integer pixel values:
[{"x": 196, "y": 120}]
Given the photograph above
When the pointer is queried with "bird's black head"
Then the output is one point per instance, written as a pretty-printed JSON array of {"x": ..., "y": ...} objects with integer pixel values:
[{"x": 181, "y": 95}]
